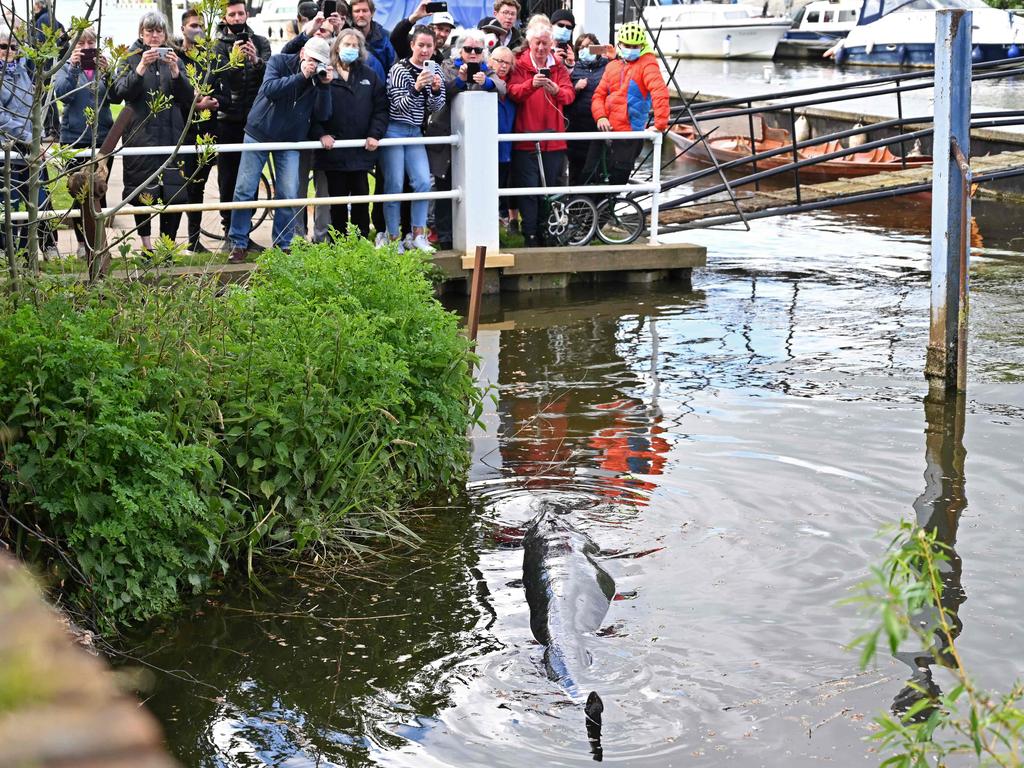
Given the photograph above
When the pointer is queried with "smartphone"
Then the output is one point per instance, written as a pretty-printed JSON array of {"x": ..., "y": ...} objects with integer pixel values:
[
  {"x": 163, "y": 52},
  {"x": 544, "y": 72},
  {"x": 472, "y": 67},
  {"x": 437, "y": 7},
  {"x": 602, "y": 50},
  {"x": 329, "y": 7},
  {"x": 87, "y": 59},
  {"x": 242, "y": 37},
  {"x": 430, "y": 66}
]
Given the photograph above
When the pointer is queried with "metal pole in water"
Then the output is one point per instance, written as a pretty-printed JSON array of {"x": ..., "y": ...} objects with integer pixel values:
[{"x": 946, "y": 367}]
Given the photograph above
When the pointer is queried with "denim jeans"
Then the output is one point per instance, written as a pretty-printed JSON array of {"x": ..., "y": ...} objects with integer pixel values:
[
  {"x": 286, "y": 186},
  {"x": 398, "y": 162}
]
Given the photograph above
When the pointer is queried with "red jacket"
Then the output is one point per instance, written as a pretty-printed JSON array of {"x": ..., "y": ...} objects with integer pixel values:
[
  {"x": 629, "y": 91},
  {"x": 538, "y": 110}
]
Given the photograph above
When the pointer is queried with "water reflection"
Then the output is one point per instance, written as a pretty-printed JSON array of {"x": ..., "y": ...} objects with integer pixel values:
[{"x": 938, "y": 511}]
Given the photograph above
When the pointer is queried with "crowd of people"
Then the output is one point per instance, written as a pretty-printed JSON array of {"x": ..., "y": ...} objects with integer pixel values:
[{"x": 344, "y": 77}]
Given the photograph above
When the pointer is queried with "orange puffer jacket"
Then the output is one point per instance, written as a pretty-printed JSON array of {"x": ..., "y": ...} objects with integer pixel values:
[{"x": 628, "y": 91}]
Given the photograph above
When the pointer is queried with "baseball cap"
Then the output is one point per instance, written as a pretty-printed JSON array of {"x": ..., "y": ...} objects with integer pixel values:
[
  {"x": 443, "y": 18},
  {"x": 491, "y": 24},
  {"x": 319, "y": 49}
]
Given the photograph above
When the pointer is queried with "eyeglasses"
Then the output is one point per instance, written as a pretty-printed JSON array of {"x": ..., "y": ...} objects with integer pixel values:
[
  {"x": 496, "y": 62},
  {"x": 6, "y": 47},
  {"x": 472, "y": 49}
]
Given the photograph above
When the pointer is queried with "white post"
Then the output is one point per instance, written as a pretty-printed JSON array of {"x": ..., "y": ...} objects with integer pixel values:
[
  {"x": 946, "y": 366},
  {"x": 475, "y": 172},
  {"x": 656, "y": 182}
]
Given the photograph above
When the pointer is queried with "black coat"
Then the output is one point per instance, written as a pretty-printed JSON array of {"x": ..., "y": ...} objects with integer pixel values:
[
  {"x": 147, "y": 129},
  {"x": 359, "y": 111},
  {"x": 577, "y": 114},
  {"x": 240, "y": 84}
]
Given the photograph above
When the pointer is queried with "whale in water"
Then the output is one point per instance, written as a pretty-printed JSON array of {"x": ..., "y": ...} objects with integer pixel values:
[{"x": 568, "y": 592}]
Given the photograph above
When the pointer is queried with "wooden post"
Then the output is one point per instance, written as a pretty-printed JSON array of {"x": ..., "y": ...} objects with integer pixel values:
[
  {"x": 946, "y": 367},
  {"x": 476, "y": 291}
]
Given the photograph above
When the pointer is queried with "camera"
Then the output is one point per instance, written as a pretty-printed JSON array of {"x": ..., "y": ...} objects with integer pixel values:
[
  {"x": 321, "y": 71},
  {"x": 87, "y": 58},
  {"x": 242, "y": 37}
]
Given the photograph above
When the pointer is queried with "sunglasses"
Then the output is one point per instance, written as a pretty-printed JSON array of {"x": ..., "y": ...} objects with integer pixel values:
[
  {"x": 564, "y": 26},
  {"x": 6, "y": 47},
  {"x": 472, "y": 49}
]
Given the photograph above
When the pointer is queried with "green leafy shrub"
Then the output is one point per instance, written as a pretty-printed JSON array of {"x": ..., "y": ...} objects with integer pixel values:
[{"x": 153, "y": 435}]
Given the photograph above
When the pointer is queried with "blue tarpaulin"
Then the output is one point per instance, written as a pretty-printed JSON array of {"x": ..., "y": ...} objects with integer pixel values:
[{"x": 466, "y": 12}]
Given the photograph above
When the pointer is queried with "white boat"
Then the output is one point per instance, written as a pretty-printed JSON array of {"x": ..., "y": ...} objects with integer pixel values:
[
  {"x": 715, "y": 30},
  {"x": 817, "y": 27},
  {"x": 902, "y": 33},
  {"x": 274, "y": 20}
]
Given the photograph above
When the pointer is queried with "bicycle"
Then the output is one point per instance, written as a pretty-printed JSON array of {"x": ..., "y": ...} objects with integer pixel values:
[
  {"x": 211, "y": 222},
  {"x": 570, "y": 220},
  {"x": 620, "y": 219}
]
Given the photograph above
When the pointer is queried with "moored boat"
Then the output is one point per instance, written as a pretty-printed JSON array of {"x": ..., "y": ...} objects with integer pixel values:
[
  {"x": 902, "y": 33},
  {"x": 730, "y": 139},
  {"x": 714, "y": 30},
  {"x": 817, "y": 27}
]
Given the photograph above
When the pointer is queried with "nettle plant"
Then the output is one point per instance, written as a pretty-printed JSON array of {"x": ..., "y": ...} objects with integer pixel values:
[
  {"x": 908, "y": 600},
  {"x": 46, "y": 51}
]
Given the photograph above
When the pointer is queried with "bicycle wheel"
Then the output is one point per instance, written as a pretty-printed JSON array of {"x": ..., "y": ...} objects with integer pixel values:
[
  {"x": 573, "y": 221},
  {"x": 211, "y": 223},
  {"x": 620, "y": 220}
]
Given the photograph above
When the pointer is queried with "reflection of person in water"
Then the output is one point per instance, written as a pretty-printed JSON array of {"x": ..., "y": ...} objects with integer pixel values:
[
  {"x": 630, "y": 448},
  {"x": 938, "y": 509}
]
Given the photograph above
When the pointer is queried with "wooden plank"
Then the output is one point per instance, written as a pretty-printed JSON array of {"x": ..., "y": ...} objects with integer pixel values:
[{"x": 493, "y": 261}]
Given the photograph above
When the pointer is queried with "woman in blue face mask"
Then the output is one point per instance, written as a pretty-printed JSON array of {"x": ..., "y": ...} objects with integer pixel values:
[
  {"x": 586, "y": 75},
  {"x": 359, "y": 103}
]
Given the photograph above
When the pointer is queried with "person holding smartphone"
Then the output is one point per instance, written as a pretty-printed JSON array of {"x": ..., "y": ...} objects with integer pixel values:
[
  {"x": 239, "y": 86},
  {"x": 152, "y": 67},
  {"x": 84, "y": 83},
  {"x": 415, "y": 91},
  {"x": 586, "y": 75},
  {"x": 541, "y": 88},
  {"x": 441, "y": 22}
]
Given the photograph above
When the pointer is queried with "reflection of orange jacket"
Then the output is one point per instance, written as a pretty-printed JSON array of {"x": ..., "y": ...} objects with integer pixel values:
[{"x": 627, "y": 92}]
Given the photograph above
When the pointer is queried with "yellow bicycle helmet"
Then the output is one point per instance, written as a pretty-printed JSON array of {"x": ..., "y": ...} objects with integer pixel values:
[{"x": 632, "y": 34}]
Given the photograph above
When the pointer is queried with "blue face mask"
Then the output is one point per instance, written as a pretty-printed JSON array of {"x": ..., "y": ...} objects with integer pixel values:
[
  {"x": 630, "y": 54},
  {"x": 587, "y": 57},
  {"x": 348, "y": 55},
  {"x": 561, "y": 34}
]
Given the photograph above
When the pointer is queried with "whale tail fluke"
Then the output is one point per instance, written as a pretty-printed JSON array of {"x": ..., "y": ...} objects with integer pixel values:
[{"x": 592, "y": 710}]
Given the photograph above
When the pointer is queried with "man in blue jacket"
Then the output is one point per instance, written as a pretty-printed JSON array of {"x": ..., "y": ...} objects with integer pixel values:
[
  {"x": 294, "y": 92},
  {"x": 378, "y": 39}
]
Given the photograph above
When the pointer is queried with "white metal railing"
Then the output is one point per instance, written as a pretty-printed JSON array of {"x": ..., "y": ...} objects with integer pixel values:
[{"x": 455, "y": 140}]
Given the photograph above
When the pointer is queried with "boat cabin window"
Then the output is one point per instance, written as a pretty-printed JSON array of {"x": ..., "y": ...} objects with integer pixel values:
[
  {"x": 847, "y": 15},
  {"x": 813, "y": 17},
  {"x": 829, "y": 17}
]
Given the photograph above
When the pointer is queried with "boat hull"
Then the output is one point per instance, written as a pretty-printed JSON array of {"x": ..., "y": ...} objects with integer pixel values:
[
  {"x": 731, "y": 148},
  {"x": 915, "y": 54},
  {"x": 752, "y": 41}
]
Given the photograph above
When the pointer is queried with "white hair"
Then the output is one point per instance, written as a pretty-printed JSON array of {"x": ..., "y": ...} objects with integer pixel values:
[{"x": 539, "y": 26}]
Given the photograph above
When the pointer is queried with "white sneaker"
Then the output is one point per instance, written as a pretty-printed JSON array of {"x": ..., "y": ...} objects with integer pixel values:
[
  {"x": 420, "y": 243},
  {"x": 381, "y": 241}
]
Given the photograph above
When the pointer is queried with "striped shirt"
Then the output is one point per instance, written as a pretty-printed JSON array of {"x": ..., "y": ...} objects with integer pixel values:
[{"x": 405, "y": 103}]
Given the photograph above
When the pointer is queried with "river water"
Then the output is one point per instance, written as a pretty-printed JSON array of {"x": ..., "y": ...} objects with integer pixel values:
[{"x": 739, "y": 445}]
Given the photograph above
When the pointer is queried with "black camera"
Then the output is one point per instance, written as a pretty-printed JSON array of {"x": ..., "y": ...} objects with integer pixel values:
[{"x": 242, "y": 37}]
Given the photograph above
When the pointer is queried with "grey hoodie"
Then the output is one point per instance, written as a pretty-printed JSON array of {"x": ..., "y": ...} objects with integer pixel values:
[{"x": 16, "y": 92}]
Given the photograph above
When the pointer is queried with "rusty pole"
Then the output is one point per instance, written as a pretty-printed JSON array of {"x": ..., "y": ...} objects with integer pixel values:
[
  {"x": 476, "y": 290},
  {"x": 946, "y": 366}
]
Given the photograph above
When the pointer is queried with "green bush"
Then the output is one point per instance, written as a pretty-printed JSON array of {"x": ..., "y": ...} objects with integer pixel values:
[{"x": 153, "y": 435}]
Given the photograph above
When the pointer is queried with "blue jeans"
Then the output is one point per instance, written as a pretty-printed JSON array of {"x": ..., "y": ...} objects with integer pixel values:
[
  {"x": 397, "y": 162},
  {"x": 286, "y": 186}
]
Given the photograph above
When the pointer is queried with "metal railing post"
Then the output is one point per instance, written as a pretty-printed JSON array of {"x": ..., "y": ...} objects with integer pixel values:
[
  {"x": 475, "y": 172},
  {"x": 656, "y": 183},
  {"x": 946, "y": 366}
]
